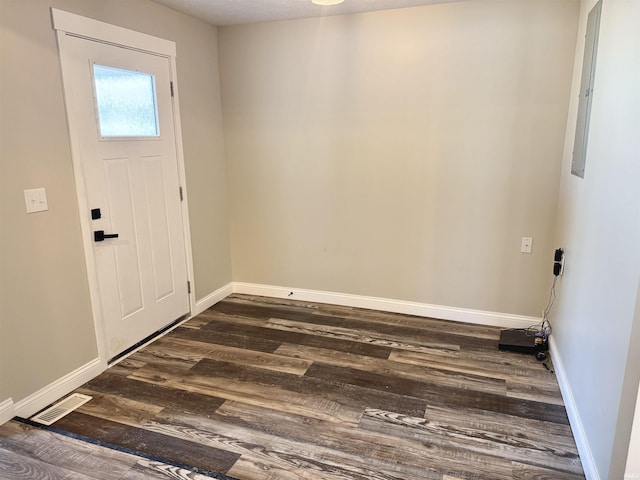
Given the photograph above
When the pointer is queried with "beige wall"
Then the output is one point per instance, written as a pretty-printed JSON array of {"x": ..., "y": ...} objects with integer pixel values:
[
  {"x": 47, "y": 329},
  {"x": 597, "y": 317},
  {"x": 400, "y": 154}
]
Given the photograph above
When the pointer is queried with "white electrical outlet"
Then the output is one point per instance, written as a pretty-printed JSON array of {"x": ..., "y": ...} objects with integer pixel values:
[
  {"x": 525, "y": 244},
  {"x": 36, "y": 200}
]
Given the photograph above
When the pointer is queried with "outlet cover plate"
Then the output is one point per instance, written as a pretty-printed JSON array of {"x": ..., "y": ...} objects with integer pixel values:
[{"x": 526, "y": 244}]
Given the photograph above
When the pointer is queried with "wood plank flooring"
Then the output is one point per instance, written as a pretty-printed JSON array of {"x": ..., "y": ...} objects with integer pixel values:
[
  {"x": 259, "y": 388},
  {"x": 29, "y": 453}
]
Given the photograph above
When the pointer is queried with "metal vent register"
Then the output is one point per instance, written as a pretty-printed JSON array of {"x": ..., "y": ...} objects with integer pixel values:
[{"x": 60, "y": 409}]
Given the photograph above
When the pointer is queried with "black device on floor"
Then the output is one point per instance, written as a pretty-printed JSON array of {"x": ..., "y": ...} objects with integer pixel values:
[{"x": 524, "y": 341}]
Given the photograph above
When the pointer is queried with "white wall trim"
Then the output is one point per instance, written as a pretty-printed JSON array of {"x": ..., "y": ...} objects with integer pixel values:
[
  {"x": 481, "y": 317},
  {"x": 7, "y": 411},
  {"x": 90, "y": 28},
  {"x": 211, "y": 299},
  {"x": 182, "y": 177},
  {"x": 580, "y": 436},
  {"x": 35, "y": 402}
]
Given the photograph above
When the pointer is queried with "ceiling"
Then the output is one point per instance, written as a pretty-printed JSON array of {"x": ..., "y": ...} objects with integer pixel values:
[{"x": 234, "y": 12}]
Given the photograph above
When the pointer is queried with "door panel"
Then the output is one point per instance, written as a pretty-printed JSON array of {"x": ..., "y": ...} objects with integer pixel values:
[
  {"x": 125, "y": 253},
  {"x": 141, "y": 274},
  {"x": 155, "y": 196}
]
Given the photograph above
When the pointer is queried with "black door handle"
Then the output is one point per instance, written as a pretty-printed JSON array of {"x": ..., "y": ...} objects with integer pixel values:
[{"x": 99, "y": 235}]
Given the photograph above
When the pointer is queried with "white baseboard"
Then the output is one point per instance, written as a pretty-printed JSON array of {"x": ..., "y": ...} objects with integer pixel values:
[
  {"x": 212, "y": 299},
  {"x": 7, "y": 411},
  {"x": 504, "y": 320},
  {"x": 582, "y": 442},
  {"x": 35, "y": 402}
]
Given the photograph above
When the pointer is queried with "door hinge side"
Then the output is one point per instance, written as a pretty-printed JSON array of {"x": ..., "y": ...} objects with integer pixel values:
[
  {"x": 181, "y": 195},
  {"x": 189, "y": 287},
  {"x": 171, "y": 87}
]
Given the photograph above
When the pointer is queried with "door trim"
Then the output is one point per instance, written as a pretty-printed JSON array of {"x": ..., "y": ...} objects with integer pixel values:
[
  {"x": 90, "y": 28},
  {"x": 69, "y": 24}
]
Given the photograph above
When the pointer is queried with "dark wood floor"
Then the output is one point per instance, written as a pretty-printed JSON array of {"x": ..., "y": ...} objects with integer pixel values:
[{"x": 258, "y": 388}]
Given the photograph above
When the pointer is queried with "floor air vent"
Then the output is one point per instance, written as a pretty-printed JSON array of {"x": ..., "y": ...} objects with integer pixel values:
[{"x": 60, "y": 409}]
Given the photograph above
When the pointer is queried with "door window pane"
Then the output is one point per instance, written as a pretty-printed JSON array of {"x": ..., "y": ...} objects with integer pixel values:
[{"x": 126, "y": 102}]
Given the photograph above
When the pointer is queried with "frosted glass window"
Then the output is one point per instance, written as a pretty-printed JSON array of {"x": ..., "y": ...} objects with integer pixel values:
[{"x": 126, "y": 102}]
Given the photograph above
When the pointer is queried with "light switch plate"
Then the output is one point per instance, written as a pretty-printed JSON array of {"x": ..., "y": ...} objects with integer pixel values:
[{"x": 36, "y": 200}]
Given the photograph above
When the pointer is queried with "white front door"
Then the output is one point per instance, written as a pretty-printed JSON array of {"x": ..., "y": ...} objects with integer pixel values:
[{"x": 119, "y": 101}]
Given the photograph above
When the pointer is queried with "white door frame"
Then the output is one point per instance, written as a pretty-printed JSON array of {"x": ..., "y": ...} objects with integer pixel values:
[{"x": 66, "y": 23}]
